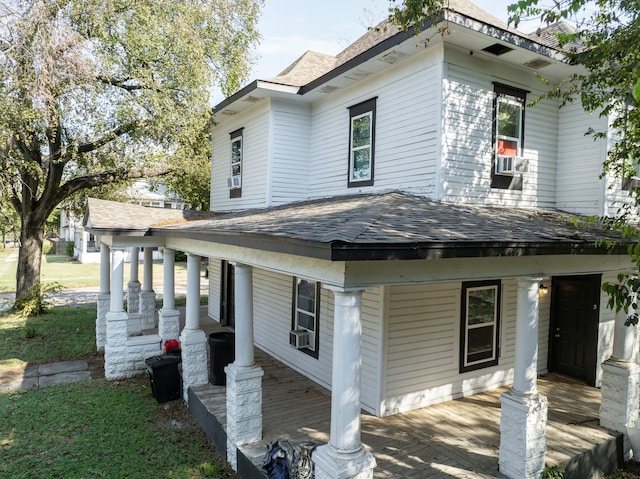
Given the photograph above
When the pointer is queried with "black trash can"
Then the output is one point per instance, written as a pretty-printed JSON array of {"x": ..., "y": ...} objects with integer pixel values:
[
  {"x": 166, "y": 383},
  {"x": 222, "y": 347}
]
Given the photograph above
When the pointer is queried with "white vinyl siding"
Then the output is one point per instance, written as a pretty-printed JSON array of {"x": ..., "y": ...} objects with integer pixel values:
[
  {"x": 406, "y": 132},
  {"x": 467, "y": 136},
  {"x": 423, "y": 336},
  {"x": 272, "y": 323},
  {"x": 580, "y": 190},
  {"x": 255, "y": 164},
  {"x": 291, "y": 153}
]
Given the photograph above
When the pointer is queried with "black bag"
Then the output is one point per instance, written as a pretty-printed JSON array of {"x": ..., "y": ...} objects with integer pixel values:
[{"x": 286, "y": 460}]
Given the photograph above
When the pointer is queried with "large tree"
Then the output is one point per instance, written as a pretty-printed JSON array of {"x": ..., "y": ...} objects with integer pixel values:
[
  {"x": 99, "y": 91},
  {"x": 606, "y": 44}
]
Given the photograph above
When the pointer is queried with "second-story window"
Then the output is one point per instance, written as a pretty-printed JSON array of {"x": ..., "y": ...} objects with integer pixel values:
[
  {"x": 508, "y": 137},
  {"x": 362, "y": 128},
  {"x": 235, "y": 178}
]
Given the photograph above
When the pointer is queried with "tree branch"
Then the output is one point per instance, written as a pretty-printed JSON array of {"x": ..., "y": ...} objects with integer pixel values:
[
  {"x": 94, "y": 145},
  {"x": 99, "y": 179},
  {"x": 121, "y": 83}
]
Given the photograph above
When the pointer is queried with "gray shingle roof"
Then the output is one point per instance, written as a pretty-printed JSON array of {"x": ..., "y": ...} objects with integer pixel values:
[
  {"x": 104, "y": 216},
  {"x": 312, "y": 65},
  {"x": 398, "y": 221}
]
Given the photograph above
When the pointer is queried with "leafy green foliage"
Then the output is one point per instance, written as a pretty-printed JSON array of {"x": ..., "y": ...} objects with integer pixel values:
[
  {"x": 414, "y": 14},
  {"x": 37, "y": 300},
  {"x": 553, "y": 472},
  {"x": 97, "y": 92}
]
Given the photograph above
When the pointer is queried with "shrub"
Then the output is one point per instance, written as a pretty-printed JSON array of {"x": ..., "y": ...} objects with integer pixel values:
[
  {"x": 37, "y": 300},
  {"x": 70, "y": 248}
]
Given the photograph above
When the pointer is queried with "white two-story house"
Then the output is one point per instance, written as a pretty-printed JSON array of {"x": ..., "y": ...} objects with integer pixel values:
[{"x": 398, "y": 230}]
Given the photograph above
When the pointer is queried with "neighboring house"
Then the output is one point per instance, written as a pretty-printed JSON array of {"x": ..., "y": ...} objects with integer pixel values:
[
  {"x": 399, "y": 231},
  {"x": 86, "y": 246}
]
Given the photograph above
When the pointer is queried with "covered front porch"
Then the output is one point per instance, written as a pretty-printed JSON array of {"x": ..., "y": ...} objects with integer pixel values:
[{"x": 459, "y": 438}]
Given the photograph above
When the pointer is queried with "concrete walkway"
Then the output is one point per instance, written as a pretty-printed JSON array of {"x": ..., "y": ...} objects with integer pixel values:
[{"x": 41, "y": 375}]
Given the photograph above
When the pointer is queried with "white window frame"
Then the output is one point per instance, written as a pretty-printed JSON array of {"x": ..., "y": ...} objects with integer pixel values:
[
  {"x": 314, "y": 315},
  {"x": 508, "y": 100},
  {"x": 465, "y": 363},
  {"x": 368, "y": 146},
  {"x": 236, "y": 179}
]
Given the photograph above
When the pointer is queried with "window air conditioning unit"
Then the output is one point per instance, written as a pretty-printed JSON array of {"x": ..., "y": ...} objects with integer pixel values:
[
  {"x": 234, "y": 182},
  {"x": 508, "y": 165},
  {"x": 299, "y": 338}
]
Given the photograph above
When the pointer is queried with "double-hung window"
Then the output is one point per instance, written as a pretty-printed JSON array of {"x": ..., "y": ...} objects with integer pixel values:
[
  {"x": 235, "y": 179},
  {"x": 306, "y": 312},
  {"x": 362, "y": 128},
  {"x": 508, "y": 135},
  {"x": 479, "y": 338}
]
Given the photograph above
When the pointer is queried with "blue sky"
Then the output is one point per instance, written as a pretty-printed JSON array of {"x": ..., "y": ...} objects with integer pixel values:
[{"x": 291, "y": 27}]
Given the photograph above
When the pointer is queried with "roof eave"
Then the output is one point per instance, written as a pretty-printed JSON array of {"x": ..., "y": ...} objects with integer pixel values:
[{"x": 343, "y": 251}]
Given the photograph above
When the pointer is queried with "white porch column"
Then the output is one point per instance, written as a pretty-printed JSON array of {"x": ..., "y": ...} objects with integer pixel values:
[
  {"x": 104, "y": 298},
  {"x": 147, "y": 295},
  {"x": 244, "y": 376},
  {"x": 523, "y": 423},
  {"x": 168, "y": 316},
  {"x": 621, "y": 380},
  {"x": 193, "y": 341},
  {"x": 345, "y": 457},
  {"x": 133, "y": 294},
  {"x": 115, "y": 350}
]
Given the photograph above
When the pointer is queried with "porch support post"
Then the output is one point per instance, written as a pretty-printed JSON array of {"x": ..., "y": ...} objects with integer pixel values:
[
  {"x": 244, "y": 376},
  {"x": 345, "y": 457},
  {"x": 621, "y": 380},
  {"x": 168, "y": 316},
  {"x": 133, "y": 294},
  {"x": 523, "y": 422},
  {"x": 147, "y": 295},
  {"x": 104, "y": 297},
  {"x": 115, "y": 350},
  {"x": 193, "y": 341}
]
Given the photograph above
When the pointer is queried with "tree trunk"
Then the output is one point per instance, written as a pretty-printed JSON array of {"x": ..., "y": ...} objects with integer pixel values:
[{"x": 29, "y": 258}]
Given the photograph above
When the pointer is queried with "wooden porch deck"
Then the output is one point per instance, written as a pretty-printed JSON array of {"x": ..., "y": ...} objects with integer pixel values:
[{"x": 457, "y": 438}]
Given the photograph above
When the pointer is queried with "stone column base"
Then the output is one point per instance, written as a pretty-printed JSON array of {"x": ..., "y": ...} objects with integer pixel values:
[
  {"x": 620, "y": 399},
  {"x": 244, "y": 408},
  {"x": 133, "y": 296},
  {"x": 148, "y": 309},
  {"x": 168, "y": 324},
  {"x": 332, "y": 464},
  {"x": 193, "y": 346},
  {"x": 104, "y": 300},
  {"x": 134, "y": 324},
  {"x": 523, "y": 441},
  {"x": 115, "y": 349}
]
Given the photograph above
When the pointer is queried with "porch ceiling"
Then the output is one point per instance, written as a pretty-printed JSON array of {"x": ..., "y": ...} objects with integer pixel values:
[{"x": 397, "y": 226}]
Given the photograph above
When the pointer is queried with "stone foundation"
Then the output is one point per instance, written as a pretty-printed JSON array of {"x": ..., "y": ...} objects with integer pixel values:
[
  {"x": 523, "y": 441},
  {"x": 193, "y": 346},
  {"x": 101, "y": 320},
  {"x": 244, "y": 408},
  {"x": 148, "y": 309},
  {"x": 168, "y": 324}
]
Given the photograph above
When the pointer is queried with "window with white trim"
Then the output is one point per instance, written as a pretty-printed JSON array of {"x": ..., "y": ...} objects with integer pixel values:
[
  {"x": 479, "y": 339},
  {"x": 508, "y": 137},
  {"x": 362, "y": 122},
  {"x": 306, "y": 306},
  {"x": 235, "y": 178}
]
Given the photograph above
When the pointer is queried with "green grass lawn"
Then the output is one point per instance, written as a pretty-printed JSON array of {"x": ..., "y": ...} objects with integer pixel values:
[
  {"x": 92, "y": 429},
  {"x": 69, "y": 273}
]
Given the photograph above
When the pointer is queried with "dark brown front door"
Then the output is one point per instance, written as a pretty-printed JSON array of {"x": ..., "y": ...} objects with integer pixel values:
[{"x": 575, "y": 309}]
